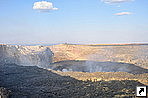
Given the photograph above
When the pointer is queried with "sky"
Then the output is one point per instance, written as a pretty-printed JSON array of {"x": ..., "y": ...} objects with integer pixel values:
[{"x": 73, "y": 21}]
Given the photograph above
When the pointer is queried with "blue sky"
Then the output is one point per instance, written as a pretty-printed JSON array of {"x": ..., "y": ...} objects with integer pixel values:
[{"x": 73, "y": 21}]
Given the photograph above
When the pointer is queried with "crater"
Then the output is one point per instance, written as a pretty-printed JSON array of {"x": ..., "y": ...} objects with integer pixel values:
[{"x": 94, "y": 66}]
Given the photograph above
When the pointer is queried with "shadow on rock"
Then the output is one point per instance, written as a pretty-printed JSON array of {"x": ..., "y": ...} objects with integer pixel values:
[
  {"x": 94, "y": 66},
  {"x": 34, "y": 82}
]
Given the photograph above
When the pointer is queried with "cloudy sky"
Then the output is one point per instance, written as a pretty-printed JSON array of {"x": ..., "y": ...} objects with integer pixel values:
[{"x": 73, "y": 21}]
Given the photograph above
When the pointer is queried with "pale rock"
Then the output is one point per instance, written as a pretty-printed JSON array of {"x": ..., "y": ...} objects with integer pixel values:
[{"x": 26, "y": 55}]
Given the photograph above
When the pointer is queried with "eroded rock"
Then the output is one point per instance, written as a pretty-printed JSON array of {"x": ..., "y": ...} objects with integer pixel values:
[{"x": 25, "y": 55}]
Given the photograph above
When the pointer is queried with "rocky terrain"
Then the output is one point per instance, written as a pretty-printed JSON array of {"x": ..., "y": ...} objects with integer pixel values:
[
  {"x": 133, "y": 54},
  {"x": 72, "y": 71},
  {"x": 94, "y": 66},
  {"x": 25, "y": 55},
  {"x": 34, "y": 82}
]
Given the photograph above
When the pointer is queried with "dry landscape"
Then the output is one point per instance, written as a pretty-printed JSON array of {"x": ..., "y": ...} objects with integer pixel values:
[
  {"x": 74, "y": 71},
  {"x": 133, "y": 54}
]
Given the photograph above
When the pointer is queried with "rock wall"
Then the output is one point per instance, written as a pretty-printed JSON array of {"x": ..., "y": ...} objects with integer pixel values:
[
  {"x": 25, "y": 55},
  {"x": 133, "y": 54}
]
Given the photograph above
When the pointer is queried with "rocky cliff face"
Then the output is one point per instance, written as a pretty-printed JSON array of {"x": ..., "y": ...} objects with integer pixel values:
[
  {"x": 133, "y": 54},
  {"x": 25, "y": 55}
]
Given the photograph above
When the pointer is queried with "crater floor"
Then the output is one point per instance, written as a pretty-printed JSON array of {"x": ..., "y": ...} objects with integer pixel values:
[{"x": 94, "y": 66}]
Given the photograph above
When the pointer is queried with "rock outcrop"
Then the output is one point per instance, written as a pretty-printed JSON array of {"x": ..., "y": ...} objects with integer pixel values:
[{"x": 25, "y": 55}]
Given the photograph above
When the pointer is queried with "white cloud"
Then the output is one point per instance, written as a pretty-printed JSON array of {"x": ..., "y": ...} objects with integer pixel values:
[
  {"x": 123, "y": 13},
  {"x": 44, "y": 6},
  {"x": 116, "y": 1}
]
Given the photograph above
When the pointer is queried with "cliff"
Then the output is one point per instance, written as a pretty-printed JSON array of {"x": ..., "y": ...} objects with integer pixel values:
[
  {"x": 25, "y": 55},
  {"x": 133, "y": 54}
]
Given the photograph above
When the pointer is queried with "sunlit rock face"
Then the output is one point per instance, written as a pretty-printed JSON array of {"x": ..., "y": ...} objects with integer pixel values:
[
  {"x": 26, "y": 55},
  {"x": 133, "y": 54}
]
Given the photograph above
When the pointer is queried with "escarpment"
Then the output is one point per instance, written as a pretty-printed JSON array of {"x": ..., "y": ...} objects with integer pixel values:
[{"x": 25, "y": 55}]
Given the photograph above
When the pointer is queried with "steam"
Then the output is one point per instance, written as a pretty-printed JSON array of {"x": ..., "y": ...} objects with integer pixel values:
[
  {"x": 92, "y": 66},
  {"x": 26, "y": 55},
  {"x": 137, "y": 54},
  {"x": 113, "y": 59}
]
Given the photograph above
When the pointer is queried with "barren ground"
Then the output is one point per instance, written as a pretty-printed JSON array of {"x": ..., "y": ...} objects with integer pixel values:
[
  {"x": 134, "y": 54},
  {"x": 18, "y": 81}
]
